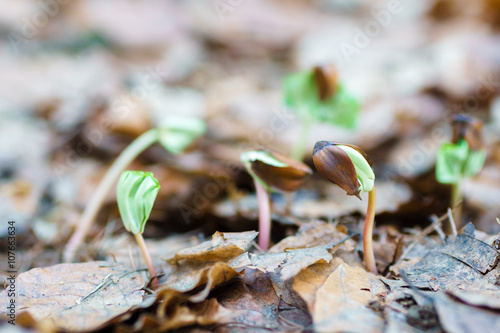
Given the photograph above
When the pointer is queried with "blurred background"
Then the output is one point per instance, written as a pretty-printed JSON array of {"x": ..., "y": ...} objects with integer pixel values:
[{"x": 79, "y": 80}]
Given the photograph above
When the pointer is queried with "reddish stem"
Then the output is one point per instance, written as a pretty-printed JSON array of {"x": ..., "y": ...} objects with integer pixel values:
[
  {"x": 147, "y": 259},
  {"x": 264, "y": 215},
  {"x": 368, "y": 233}
]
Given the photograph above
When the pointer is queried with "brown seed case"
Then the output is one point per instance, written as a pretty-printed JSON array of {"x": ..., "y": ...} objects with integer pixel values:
[
  {"x": 326, "y": 79},
  {"x": 286, "y": 179},
  {"x": 334, "y": 164},
  {"x": 469, "y": 129}
]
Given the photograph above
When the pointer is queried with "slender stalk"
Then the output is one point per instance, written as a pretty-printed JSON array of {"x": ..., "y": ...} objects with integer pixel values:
[
  {"x": 300, "y": 145},
  {"x": 456, "y": 198},
  {"x": 124, "y": 159},
  {"x": 368, "y": 233},
  {"x": 147, "y": 259},
  {"x": 264, "y": 203}
]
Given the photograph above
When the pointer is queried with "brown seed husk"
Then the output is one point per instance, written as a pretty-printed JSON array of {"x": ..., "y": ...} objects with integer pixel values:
[
  {"x": 286, "y": 179},
  {"x": 469, "y": 129},
  {"x": 334, "y": 164},
  {"x": 326, "y": 79}
]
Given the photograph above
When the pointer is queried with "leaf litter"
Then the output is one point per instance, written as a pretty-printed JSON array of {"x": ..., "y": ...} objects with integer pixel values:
[
  {"x": 305, "y": 282},
  {"x": 312, "y": 280}
]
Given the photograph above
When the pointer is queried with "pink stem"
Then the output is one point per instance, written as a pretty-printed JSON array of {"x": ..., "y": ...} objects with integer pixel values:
[
  {"x": 264, "y": 215},
  {"x": 147, "y": 259},
  {"x": 368, "y": 233}
]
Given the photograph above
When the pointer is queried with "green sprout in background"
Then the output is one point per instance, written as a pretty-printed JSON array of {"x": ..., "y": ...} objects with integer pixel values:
[
  {"x": 272, "y": 171},
  {"x": 135, "y": 194},
  {"x": 462, "y": 158},
  {"x": 174, "y": 136},
  {"x": 317, "y": 97},
  {"x": 349, "y": 167}
]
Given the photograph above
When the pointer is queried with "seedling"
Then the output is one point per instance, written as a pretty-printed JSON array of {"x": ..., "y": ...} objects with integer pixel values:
[
  {"x": 135, "y": 194},
  {"x": 349, "y": 167},
  {"x": 318, "y": 97},
  {"x": 175, "y": 136},
  {"x": 462, "y": 158},
  {"x": 272, "y": 171}
]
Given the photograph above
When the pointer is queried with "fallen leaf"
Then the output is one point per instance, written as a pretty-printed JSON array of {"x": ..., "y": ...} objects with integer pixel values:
[
  {"x": 337, "y": 297},
  {"x": 222, "y": 247},
  {"x": 487, "y": 299},
  {"x": 206, "y": 313},
  {"x": 458, "y": 317},
  {"x": 312, "y": 234},
  {"x": 78, "y": 297},
  {"x": 257, "y": 307},
  {"x": 460, "y": 264},
  {"x": 187, "y": 278}
]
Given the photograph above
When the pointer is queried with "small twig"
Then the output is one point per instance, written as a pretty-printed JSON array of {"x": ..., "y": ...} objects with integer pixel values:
[
  {"x": 438, "y": 229},
  {"x": 104, "y": 282},
  {"x": 452, "y": 223}
]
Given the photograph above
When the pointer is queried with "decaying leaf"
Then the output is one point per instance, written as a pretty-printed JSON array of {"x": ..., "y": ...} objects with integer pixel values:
[
  {"x": 211, "y": 275},
  {"x": 290, "y": 263},
  {"x": 222, "y": 247},
  {"x": 311, "y": 234},
  {"x": 461, "y": 264},
  {"x": 340, "y": 301},
  {"x": 337, "y": 296},
  {"x": 256, "y": 306},
  {"x": 458, "y": 317},
  {"x": 78, "y": 297},
  {"x": 183, "y": 315}
]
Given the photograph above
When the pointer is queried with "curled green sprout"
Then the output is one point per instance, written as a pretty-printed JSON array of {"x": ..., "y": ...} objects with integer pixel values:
[
  {"x": 316, "y": 96},
  {"x": 460, "y": 159},
  {"x": 175, "y": 135},
  {"x": 136, "y": 193},
  {"x": 348, "y": 167},
  {"x": 272, "y": 171}
]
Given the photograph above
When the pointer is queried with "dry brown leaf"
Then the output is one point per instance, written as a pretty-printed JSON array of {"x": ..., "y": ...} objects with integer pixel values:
[
  {"x": 315, "y": 243},
  {"x": 455, "y": 316},
  {"x": 464, "y": 263},
  {"x": 290, "y": 263},
  {"x": 307, "y": 282},
  {"x": 187, "y": 278},
  {"x": 312, "y": 234},
  {"x": 341, "y": 299},
  {"x": 206, "y": 313},
  {"x": 222, "y": 247},
  {"x": 78, "y": 296},
  {"x": 255, "y": 306},
  {"x": 176, "y": 305}
]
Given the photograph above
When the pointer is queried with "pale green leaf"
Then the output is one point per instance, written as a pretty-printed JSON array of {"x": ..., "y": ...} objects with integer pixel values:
[
  {"x": 474, "y": 163},
  {"x": 263, "y": 156},
  {"x": 301, "y": 95},
  {"x": 364, "y": 171},
  {"x": 450, "y": 161},
  {"x": 179, "y": 132},
  {"x": 135, "y": 194}
]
